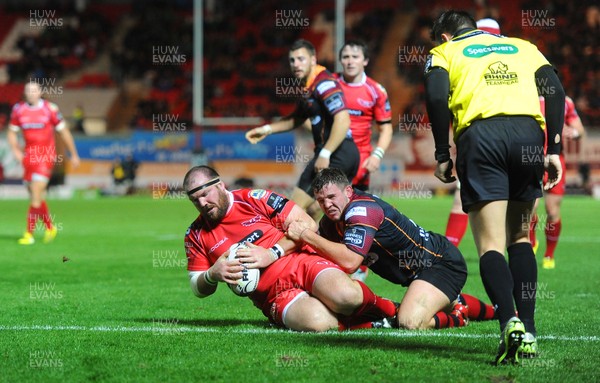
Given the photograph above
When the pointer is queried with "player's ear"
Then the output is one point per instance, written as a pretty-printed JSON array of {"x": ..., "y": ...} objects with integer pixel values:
[{"x": 348, "y": 191}]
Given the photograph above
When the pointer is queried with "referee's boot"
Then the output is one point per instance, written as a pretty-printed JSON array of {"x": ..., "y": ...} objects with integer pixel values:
[
  {"x": 510, "y": 342},
  {"x": 529, "y": 347}
]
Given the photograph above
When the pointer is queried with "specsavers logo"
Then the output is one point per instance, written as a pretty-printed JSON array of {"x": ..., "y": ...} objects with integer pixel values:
[
  {"x": 498, "y": 74},
  {"x": 479, "y": 50}
]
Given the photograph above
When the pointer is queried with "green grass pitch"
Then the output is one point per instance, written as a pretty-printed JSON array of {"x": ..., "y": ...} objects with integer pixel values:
[{"x": 109, "y": 301}]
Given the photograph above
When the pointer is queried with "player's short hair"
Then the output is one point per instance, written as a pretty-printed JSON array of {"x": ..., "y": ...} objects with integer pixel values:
[
  {"x": 301, "y": 43},
  {"x": 206, "y": 171},
  {"x": 329, "y": 176},
  {"x": 450, "y": 22},
  {"x": 356, "y": 43}
]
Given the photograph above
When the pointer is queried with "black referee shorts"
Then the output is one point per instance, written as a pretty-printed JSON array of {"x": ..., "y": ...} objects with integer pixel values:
[
  {"x": 500, "y": 158},
  {"x": 346, "y": 158}
]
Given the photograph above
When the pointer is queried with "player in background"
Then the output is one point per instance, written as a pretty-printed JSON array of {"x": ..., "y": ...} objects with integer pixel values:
[
  {"x": 324, "y": 106},
  {"x": 297, "y": 288},
  {"x": 572, "y": 130},
  {"x": 367, "y": 103},
  {"x": 37, "y": 119},
  {"x": 458, "y": 220},
  {"x": 488, "y": 85},
  {"x": 361, "y": 229}
]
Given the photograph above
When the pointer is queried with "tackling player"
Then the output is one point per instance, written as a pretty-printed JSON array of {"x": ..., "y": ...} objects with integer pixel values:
[
  {"x": 359, "y": 228},
  {"x": 38, "y": 119},
  {"x": 324, "y": 105},
  {"x": 573, "y": 130},
  {"x": 297, "y": 289}
]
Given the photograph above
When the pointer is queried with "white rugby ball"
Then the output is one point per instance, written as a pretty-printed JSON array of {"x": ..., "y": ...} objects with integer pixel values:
[{"x": 250, "y": 277}]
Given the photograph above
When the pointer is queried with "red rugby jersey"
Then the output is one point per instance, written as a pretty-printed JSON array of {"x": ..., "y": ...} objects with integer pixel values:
[
  {"x": 38, "y": 123},
  {"x": 367, "y": 101}
]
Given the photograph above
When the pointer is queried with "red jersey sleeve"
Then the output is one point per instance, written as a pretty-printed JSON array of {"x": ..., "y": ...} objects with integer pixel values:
[
  {"x": 383, "y": 110},
  {"x": 272, "y": 205},
  {"x": 194, "y": 251},
  {"x": 570, "y": 111},
  {"x": 14, "y": 116},
  {"x": 55, "y": 115}
]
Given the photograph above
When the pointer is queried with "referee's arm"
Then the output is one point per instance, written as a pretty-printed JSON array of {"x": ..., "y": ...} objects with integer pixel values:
[
  {"x": 437, "y": 89},
  {"x": 554, "y": 95}
]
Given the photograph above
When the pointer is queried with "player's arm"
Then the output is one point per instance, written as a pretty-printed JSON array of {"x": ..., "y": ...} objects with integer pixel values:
[
  {"x": 201, "y": 283},
  {"x": 373, "y": 162},
  {"x": 437, "y": 90},
  {"x": 285, "y": 124},
  {"x": 13, "y": 142},
  {"x": 256, "y": 257},
  {"x": 573, "y": 128},
  {"x": 336, "y": 252},
  {"x": 339, "y": 130},
  {"x": 67, "y": 138}
]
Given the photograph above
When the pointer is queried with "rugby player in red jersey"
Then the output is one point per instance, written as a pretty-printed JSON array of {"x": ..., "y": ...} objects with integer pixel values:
[
  {"x": 359, "y": 228},
  {"x": 37, "y": 119},
  {"x": 297, "y": 288},
  {"x": 324, "y": 107},
  {"x": 572, "y": 130},
  {"x": 367, "y": 102}
]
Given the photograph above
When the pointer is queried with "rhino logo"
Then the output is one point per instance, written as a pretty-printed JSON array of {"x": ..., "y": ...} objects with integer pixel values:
[
  {"x": 498, "y": 74},
  {"x": 498, "y": 68}
]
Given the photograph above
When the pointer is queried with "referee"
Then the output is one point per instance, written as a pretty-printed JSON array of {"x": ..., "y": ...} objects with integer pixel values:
[{"x": 489, "y": 84}]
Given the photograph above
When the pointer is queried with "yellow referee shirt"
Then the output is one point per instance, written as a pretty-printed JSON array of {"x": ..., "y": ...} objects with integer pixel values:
[{"x": 490, "y": 75}]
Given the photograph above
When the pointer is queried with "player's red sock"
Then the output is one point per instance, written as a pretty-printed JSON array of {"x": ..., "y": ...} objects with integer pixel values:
[
  {"x": 444, "y": 320},
  {"x": 456, "y": 227},
  {"x": 552, "y": 233},
  {"x": 532, "y": 226},
  {"x": 478, "y": 310},
  {"x": 33, "y": 214},
  {"x": 373, "y": 305},
  {"x": 45, "y": 215}
]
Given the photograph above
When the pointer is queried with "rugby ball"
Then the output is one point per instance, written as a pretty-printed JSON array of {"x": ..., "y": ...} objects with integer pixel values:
[{"x": 250, "y": 277}]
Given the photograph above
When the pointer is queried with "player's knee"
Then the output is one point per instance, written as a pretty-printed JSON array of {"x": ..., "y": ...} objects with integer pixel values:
[
  {"x": 346, "y": 300},
  {"x": 319, "y": 321}
]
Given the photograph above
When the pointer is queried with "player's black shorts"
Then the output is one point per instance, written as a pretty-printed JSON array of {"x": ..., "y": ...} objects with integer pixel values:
[
  {"x": 346, "y": 158},
  {"x": 500, "y": 158},
  {"x": 449, "y": 274}
]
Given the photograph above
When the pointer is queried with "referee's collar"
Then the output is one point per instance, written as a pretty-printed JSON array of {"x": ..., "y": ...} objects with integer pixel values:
[{"x": 462, "y": 31}]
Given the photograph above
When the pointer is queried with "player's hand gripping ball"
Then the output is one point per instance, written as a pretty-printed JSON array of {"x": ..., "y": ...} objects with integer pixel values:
[{"x": 250, "y": 277}]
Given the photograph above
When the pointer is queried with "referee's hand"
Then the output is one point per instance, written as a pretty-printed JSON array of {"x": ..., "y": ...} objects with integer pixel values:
[
  {"x": 554, "y": 170},
  {"x": 443, "y": 172}
]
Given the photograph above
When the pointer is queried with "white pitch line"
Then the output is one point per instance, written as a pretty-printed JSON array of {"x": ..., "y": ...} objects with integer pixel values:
[{"x": 171, "y": 327}]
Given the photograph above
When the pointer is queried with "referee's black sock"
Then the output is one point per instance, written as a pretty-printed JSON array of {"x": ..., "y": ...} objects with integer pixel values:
[
  {"x": 498, "y": 283},
  {"x": 523, "y": 267}
]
